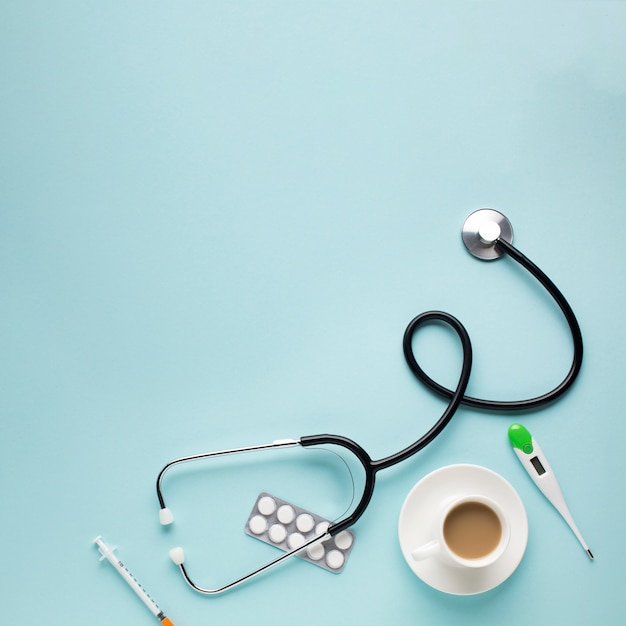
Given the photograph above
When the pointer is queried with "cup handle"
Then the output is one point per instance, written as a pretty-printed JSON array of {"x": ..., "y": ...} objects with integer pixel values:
[{"x": 427, "y": 550}]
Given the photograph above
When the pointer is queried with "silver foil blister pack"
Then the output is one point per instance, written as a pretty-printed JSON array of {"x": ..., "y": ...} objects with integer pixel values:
[{"x": 287, "y": 527}]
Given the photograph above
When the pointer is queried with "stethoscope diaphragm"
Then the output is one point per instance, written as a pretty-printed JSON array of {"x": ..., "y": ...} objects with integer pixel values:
[{"x": 481, "y": 231}]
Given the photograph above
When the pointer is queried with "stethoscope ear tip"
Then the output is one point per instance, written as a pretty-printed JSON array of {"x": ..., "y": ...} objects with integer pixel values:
[
  {"x": 482, "y": 230},
  {"x": 177, "y": 555},
  {"x": 166, "y": 517}
]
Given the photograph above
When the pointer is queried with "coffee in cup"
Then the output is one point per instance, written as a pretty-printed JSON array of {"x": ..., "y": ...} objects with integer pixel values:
[{"x": 470, "y": 531}]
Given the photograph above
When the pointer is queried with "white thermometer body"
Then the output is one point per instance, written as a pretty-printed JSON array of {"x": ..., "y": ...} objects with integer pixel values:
[{"x": 534, "y": 461}]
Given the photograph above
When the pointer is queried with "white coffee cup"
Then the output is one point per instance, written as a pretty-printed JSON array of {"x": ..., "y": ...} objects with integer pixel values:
[{"x": 470, "y": 531}]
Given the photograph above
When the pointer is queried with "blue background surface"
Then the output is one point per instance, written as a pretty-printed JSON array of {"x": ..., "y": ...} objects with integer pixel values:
[{"x": 216, "y": 220}]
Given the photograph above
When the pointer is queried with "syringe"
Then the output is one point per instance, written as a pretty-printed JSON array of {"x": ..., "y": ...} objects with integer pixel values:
[{"x": 107, "y": 553}]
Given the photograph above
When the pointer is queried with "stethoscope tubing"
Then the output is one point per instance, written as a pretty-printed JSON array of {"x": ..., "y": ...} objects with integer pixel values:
[
  {"x": 516, "y": 405},
  {"x": 370, "y": 467}
]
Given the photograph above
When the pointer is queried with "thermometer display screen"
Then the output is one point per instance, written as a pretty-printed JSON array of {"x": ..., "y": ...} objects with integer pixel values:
[{"x": 538, "y": 466}]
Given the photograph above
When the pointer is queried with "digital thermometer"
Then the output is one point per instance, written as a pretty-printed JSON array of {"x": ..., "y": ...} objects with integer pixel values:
[{"x": 536, "y": 464}]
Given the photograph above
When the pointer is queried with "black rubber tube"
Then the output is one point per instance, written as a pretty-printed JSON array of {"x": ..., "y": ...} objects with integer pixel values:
[
  {"x": 517, "y": 405},
  {"x": 372, "y": 467}
]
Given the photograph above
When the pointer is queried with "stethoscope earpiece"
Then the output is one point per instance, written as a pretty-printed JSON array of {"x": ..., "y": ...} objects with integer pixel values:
[
  {"x": 177, "y": 555},
  {"x": 166, "y": 517},
  {"x": 482, "y": 230}
]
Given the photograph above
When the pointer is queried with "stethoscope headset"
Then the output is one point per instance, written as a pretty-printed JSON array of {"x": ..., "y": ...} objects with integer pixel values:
[{"x": 488, "y": 235}]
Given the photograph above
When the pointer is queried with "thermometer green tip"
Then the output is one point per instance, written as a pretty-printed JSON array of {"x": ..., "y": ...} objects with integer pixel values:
[{"x": 521, "y": 438}]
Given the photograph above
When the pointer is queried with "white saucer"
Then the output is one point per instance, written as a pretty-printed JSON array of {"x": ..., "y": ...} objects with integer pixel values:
[{"x": 417, "y": 519}]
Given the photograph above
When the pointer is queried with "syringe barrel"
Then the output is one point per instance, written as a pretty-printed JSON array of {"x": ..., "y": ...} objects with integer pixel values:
[{"x": 127, "y": 576}]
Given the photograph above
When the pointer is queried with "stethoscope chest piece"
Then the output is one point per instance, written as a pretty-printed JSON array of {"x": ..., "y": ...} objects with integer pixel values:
[{"x": 482, "y": 229}]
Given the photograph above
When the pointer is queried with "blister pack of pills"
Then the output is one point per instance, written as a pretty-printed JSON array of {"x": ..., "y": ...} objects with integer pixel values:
[{"x": 287, "y": 526}]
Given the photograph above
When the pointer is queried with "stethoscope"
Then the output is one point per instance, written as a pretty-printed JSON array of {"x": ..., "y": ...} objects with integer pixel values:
[{"x": 488, "y": 235}]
